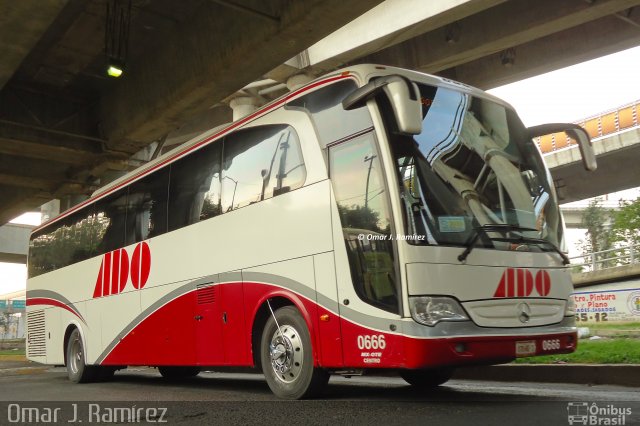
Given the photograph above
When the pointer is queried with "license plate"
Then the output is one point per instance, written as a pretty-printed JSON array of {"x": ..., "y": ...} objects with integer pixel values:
[{"x": 526, "y": 348}]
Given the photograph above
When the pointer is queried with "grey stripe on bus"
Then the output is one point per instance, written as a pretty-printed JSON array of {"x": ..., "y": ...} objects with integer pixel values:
[
  {"x": 230, "y": 277},
  {"x": 183, "y": 289},
  {"x": 216, "y": 279},
  {"x": 279, "y": 281},
  {"x": 359, "y": 318},
  {"x": 213, "y": 279},
  {"x": 55, "y": 296},
  {"x": 260, "y": 277}
]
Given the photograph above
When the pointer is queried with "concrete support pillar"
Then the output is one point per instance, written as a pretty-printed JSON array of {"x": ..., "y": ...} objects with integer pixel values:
[
  {"x": 242, "y": 106},
  {"x": 50, "y": 210},
  {"x": 298, "y": 80},
  {"x": 70, "y": 201}
]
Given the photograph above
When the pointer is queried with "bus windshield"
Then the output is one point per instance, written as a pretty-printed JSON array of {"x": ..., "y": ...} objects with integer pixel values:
[{"x": 472, "y": 167}]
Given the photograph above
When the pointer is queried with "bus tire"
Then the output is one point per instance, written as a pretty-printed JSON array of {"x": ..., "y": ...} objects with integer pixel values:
[
  {"x": 178, "y": 372},
  {"x": 287, "y": 357},
  {"x": 77, "y": 370},
  {"x": 427, "y": 378}
]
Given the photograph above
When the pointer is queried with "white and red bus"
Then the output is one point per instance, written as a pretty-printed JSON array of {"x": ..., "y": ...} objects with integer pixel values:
[{"x": 374, "y": 219}]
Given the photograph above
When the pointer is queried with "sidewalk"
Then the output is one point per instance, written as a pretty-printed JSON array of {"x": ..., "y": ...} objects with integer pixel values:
[
  {"x": 595, "y": 374},
  {"x": 11, "y": 365}
]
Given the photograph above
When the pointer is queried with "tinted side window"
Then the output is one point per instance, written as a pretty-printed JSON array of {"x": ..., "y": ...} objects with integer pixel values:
[
  {"x": 147, "y": 207},
  {"x": 194, "y": 190},
  {"x": 332, "y": 121},
  {"x": 64, "y": 243},
  {"x": 359, "y": 187},
  {"x": 260, "y": 163},
  {"x": 109, "y": 220}
]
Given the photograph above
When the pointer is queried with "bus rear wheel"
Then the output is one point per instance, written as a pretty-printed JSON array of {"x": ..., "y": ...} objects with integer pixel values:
[
  {"x": 175, "y": 373},
  {"x": 77, "y": 370},
  {"x": 287, "y": 357},
  {"x": 427, "y": 378}
]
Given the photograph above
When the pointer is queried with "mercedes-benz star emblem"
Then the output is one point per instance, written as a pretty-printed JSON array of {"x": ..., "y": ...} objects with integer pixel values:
[{"x": 524, "y": 312}]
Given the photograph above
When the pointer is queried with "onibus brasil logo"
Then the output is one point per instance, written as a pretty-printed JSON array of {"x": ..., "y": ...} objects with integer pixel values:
[{"x": 585, "y": 413}]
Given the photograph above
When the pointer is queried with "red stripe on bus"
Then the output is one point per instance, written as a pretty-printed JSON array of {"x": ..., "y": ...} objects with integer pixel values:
[
  {"x": 106, "y": 279},
  {"x": 124, "y": 270},
  {"x": 345, "y": 343},
  {"x": 33, "y": 301},
  {"x": 140, "y": 265},
  {"x": 97, "y": 291}
]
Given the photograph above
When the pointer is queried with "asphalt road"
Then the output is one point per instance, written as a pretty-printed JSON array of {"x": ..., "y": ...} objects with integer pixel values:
[{"x": 223, "y": 398}]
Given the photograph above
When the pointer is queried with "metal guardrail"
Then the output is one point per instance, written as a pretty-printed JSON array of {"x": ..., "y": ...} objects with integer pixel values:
[
  {"x": 606, "y": 259},
  {"x": 584, "y": 204}
]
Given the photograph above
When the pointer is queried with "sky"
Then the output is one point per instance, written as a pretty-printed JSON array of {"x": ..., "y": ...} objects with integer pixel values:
[
  {"x": 566, "y": 95},
  {"x": 576, "y": 92}
]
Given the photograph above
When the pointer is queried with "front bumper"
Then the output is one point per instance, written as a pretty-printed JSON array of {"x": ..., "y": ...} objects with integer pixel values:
[{"x": 487, "y": 350}]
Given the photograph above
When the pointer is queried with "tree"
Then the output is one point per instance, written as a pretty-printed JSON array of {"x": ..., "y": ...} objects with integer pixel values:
[
  {"x": 597, "y": 221},
  {"x": 626, "y": 222},
  {"x": 3, "y": 324},
  {"x": 626, "y": 228},
  {"x": 360, "y": 217}
]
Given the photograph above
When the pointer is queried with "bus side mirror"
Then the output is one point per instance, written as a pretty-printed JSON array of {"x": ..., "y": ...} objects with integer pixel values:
[
  {"x": 576, "y": 133},
  {"x": 403, "y": 95}
]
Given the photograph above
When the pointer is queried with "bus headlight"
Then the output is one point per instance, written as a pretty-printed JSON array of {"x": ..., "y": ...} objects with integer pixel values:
[
  {"x": 570, "y": 309},
  {"x": 429, "y": 310}
]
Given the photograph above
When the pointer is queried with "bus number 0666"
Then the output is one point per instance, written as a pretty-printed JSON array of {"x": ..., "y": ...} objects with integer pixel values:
[{"x": 371, "y": 342}]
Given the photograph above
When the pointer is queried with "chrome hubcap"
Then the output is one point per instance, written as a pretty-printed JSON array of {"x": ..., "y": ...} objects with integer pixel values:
[
  {"x": 286, "y": 353},
  {"x": 76, "y": 356}
]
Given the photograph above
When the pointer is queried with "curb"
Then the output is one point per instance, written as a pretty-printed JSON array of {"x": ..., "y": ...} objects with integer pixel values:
[
  {"x": 591, "y": 374},
  {"x": 17, "y": 358},
  {"x": 22, "y": 371}
]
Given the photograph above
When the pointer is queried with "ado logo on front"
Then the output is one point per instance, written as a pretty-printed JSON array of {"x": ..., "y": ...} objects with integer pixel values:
[{"x": 517, "y": 282}]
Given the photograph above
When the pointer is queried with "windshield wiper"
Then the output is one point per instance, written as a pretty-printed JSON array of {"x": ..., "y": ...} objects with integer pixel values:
[
  {"x": 485, "y": 229},
  {"x": 504, "y": 228},
  {"x": 529, "y": 240}
]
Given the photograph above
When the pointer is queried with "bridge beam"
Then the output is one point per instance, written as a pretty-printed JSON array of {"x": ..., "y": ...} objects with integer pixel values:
[
  {"x": 17, "y": 38},
  {"x": 618, "y": 169},
  {"x": 589, "y": 41},
  {"x": 14, "y": 243},
  {"x": 208, "y": 60},
  {"x": 491, "y": 31}
]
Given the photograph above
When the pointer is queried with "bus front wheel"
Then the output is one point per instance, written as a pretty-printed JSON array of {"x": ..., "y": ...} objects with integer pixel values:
[
  {"x": 427, "y": 378},
  {"x": 287, "y": 356}
]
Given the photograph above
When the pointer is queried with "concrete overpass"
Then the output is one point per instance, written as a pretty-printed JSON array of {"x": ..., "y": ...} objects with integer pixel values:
[
  {"x": 572, "y": 216},
  {"x": 64, "y": 123},
  {"x": 618, "y": 157},
  {"x": 616, "y": 140},
  {"x": 66, "y": 129},
  {"x": 484, "y": 43},
  {"x": 14, "y": 243}
]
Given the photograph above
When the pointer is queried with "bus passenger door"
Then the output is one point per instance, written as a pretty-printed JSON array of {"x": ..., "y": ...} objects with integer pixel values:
[
  {"x": 208, "y": 323},
  {"x": 366, "y": 270}
]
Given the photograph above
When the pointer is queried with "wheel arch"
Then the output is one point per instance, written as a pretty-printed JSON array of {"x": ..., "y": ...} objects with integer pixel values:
[
  {"x": 73, "y": 325},
  {"x": 278, "y": 299}
]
